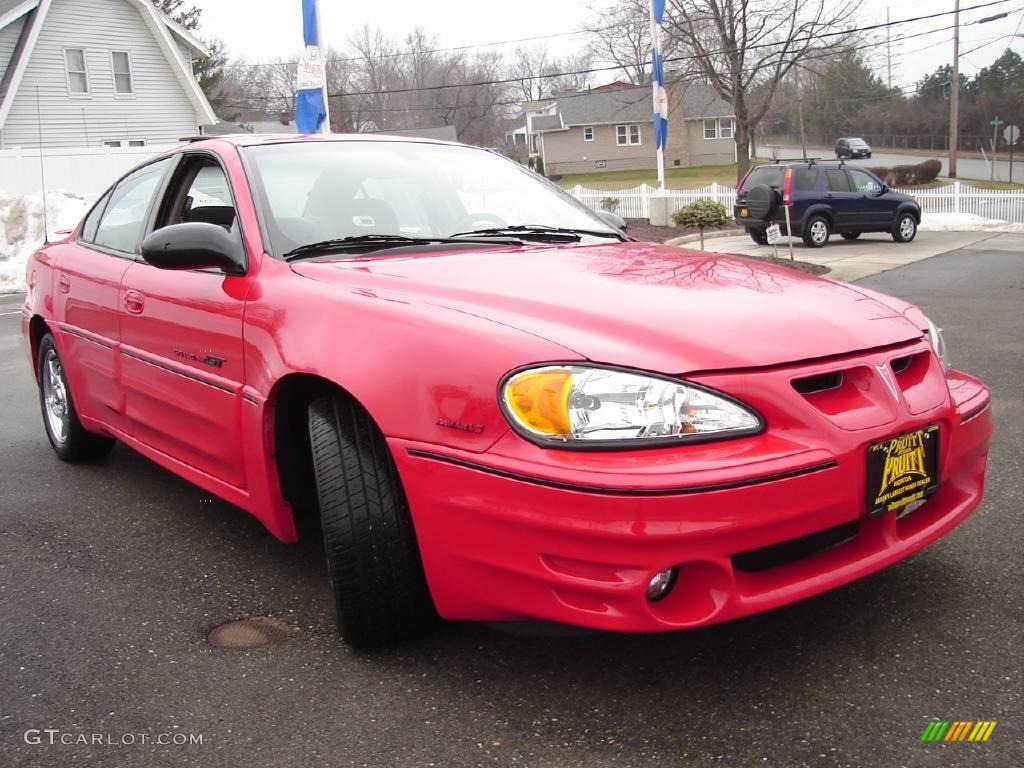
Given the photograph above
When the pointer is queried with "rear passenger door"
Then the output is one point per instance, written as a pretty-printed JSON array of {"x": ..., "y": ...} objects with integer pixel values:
[
  {"x": 86, "y": 295},
  {"x": 842, "y": 199}
]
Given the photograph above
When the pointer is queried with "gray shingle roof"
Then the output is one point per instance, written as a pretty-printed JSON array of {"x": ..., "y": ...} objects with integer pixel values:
[
  {"x": 633, "y": 104},
  {"x": 547, "y": 123}
]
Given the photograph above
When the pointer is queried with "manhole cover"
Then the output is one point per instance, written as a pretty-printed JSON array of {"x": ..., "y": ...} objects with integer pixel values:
[{"x": 249, "y": 633}]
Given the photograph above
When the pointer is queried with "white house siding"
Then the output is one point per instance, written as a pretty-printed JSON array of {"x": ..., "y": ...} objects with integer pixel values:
[
  {"x": 159, "y": 113},
  {"x": 8, "y": 40}
]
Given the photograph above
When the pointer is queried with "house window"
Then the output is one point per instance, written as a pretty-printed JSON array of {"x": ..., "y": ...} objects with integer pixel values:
[
  {"x": 122, "y": 66},
  {"x": 719, "y": 128},
  {"x": 710, "y": 129},
  {"x": 627, "y": 135},
  {"x": 725, "y": 127},
  {"x": 78, "y": 74},
  {"x": 588, "y": 134},
  {"x": 124, "y": 143}
]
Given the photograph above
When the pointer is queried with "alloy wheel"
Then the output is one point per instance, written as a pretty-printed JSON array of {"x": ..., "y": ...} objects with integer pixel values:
[{"x": 55, "y": 394}]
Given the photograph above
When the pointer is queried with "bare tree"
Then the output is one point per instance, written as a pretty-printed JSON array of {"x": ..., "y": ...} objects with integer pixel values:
[
  {"x": 746, "y": 48},
  {"x": 623, "y": 37}
]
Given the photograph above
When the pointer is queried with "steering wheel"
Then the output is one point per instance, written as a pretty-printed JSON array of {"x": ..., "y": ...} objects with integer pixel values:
[{"x": 484, "y": 220}]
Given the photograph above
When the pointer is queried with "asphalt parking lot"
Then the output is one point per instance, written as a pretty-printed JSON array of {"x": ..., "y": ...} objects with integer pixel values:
[{"x": 112, "y": 574}]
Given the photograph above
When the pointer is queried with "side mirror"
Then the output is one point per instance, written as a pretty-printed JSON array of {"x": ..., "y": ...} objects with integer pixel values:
[
  {"x": 884, "y": 189},
  {"x": 195, "y": 245},
  {"x": 613, "y": 219}
]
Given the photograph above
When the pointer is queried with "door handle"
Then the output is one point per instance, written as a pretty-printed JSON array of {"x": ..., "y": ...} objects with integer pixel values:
[
  {"x": 828, "y": 196},
  {"x": 64, "y": 284},
  {"x": 134, "y": 302}
]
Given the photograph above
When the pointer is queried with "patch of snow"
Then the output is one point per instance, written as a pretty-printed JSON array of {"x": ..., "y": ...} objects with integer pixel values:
[
  {"x": 21, "y": 229},
  {"x": 966, "y": 222}
]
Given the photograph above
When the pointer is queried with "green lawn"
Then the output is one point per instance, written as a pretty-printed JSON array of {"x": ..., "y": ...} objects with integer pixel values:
[{"x": 675, "y": 178}]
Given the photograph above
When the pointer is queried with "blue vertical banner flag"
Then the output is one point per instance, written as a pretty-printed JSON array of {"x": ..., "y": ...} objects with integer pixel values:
[
  {"x": 311, "y": 85},
  {"x": 659, "y": 94}
]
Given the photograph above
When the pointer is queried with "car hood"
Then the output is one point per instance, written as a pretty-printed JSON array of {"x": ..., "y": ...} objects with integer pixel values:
[{"x": 640, "y": 305}]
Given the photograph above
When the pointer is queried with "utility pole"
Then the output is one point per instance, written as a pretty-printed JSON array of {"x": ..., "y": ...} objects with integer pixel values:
[
  {"x": 803, "y": 136},
  {"x": 888, "y": 46},
  {"x": 954, "y": 94}
]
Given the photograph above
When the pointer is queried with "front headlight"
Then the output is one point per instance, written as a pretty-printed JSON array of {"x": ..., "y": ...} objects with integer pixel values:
[
  {"x": 938, "y": 343},
  {"x": 592, "y": 405}
]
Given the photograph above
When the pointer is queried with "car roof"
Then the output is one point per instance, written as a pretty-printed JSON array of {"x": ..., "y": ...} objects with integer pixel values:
[{"x": 256, "y": 139}]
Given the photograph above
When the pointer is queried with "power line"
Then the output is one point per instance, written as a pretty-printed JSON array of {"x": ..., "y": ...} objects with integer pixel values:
[
  {"x": 400, "y": 54},
  {"x": 675, "y": 59}
]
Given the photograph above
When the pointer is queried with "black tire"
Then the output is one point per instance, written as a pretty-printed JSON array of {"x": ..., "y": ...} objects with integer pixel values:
[
  {"x": 759, "y": 236},
  {"x": 70, "y": 440},
  {"x": 761, "y": 201},
  {"x": 849, "y": 235},
  {"x": 816, "y": 232},
  {"x": 904, "y": 229},
  {"x": 380, "y": 591}
]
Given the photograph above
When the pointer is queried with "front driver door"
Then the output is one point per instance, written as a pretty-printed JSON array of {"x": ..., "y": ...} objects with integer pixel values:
[
  {"x": 181, "y": 332},
  {"x": 878, "y": 210}
]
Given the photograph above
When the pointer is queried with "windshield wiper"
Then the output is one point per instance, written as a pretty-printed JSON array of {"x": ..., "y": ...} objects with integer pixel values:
[
  {"x": 367, "y": 243},
  {"x": 541, "y": 232}
]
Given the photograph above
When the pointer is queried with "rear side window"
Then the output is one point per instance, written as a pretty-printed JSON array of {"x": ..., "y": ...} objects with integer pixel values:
[
  {"x": 92, "y": 221},
  {"x": 838, "y": 181},
  {"x": 805, "y": 179},
  {"x": 125, "y": 215},
  {"x": 764, "y": 174}
]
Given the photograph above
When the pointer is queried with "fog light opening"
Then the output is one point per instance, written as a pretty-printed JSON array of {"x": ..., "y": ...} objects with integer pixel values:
[{"x": 662, "y": 583}]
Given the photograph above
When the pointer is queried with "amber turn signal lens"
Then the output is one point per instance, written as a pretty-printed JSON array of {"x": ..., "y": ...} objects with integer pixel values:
[{"x": 540, "y": 400}]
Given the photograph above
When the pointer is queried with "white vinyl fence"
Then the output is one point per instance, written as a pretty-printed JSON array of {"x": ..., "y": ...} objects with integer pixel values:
[
  {"x": 958, "y": 197},
  {"x": 84, "y": 171}
]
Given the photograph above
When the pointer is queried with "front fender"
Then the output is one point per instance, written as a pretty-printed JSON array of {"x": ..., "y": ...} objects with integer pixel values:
[{"x": 423, "y": 371}]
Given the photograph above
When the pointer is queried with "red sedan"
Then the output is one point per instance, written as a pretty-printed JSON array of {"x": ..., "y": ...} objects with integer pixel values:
[{"x": 493, "y": 403}]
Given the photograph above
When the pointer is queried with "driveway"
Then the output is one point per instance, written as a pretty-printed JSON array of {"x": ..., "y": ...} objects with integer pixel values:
[
  {"x": 111, "y": 575},
  {"x": 870, "y": 253}
]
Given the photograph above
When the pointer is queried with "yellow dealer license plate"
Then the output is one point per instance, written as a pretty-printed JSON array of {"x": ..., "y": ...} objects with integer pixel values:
[{"x": 903, "y": 469}]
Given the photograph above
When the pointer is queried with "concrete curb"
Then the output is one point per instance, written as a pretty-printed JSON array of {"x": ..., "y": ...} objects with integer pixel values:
[{"x": 695, "y": 238}]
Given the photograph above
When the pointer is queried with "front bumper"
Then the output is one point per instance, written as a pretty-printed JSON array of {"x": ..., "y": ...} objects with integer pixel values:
[{"x": 525, "y": 533}]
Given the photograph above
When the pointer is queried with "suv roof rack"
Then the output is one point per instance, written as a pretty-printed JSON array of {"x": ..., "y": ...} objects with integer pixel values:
[
  {"x": 192, "y": 139},
  {"x": 811, "y": 160}
]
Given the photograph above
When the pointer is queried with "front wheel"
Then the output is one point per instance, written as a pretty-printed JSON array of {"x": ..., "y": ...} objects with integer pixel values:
[
  {"x": 380, "y": 591},
  {"x": 905, "y": 228},
  {"x": 816, "y": 232},
  {"x": 70, "y": 440}
]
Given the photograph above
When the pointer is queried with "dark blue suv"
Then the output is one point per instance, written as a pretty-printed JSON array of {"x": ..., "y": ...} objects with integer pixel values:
[{"x": 823, "y": 198}]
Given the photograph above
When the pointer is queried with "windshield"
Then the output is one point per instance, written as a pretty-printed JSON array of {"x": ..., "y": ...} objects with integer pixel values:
[
  {"x": 317, "y": 191},
  {"x": 857, "y": 143}
]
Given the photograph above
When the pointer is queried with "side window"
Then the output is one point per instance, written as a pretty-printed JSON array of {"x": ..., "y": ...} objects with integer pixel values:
[
  {"x": 199, "y": 193},
  {"x": 120, "y": 229},
  {"x": 838, "y": 181},
  {"x": 864, "y": 183},
  {"x": 805, "y": 178},
  {"x": 92, "y": 221}
]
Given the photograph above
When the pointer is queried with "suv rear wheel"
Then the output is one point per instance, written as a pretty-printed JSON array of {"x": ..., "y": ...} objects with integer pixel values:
[
  {"x": 850, "y": 235},
  {"x": 905, "y": 228},
  {"x": 817, "y": 231},
  {"x": 759, "y": 236}
]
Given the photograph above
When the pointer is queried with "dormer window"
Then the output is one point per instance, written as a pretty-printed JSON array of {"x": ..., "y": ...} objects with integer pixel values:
[{"x": 77, "y": 72}]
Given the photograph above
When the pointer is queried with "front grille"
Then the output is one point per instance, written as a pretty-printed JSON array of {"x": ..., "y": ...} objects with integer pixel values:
[{"x": 792, "y": 550}]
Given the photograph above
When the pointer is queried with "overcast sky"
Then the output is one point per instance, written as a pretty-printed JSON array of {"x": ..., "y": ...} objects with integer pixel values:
[{"x": 275, "y": 29}]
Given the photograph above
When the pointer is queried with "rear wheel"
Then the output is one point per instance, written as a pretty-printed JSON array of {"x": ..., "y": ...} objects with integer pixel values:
[
  {"x": 759, "y": 236},
  {"x": 850, "y": 235},
  {"x": 816, "y": 232},
  {"x": 380, "y": 591},
  {"x": 70, "y": 440},
  {"x": 905, "y": 228}
]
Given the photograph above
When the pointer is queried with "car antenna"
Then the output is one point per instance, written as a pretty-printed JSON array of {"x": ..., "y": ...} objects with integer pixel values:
[{"x": 42, "y": 174}]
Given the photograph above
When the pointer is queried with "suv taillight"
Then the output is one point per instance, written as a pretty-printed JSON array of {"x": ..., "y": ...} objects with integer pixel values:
[
  {"x": 739, "y": 187},
  {"x": 787, "y": 187}
]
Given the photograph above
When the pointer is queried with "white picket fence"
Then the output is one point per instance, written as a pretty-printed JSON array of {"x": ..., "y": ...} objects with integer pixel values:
[{"x": 958, "y": 197}]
